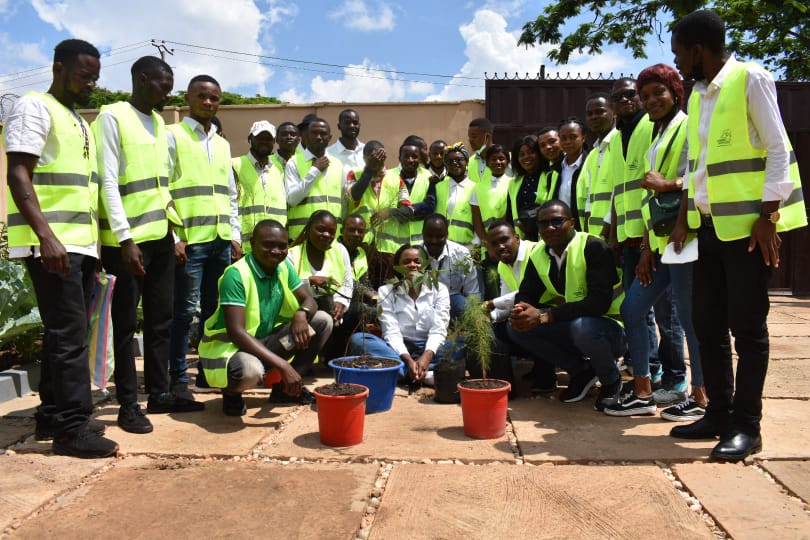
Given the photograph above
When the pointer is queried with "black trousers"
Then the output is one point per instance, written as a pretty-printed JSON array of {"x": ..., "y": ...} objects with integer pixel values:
[
  {"x": 157, "y": 290},
  {"x": 64, "y": 303},
  {"x": 730, "y": 292}
]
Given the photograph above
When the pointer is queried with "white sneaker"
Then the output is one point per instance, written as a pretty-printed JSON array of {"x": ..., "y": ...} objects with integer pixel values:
[{"x": 428, "y": 380}]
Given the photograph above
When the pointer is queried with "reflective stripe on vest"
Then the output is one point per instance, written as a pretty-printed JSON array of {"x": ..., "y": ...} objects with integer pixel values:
[
  {"x": 390, "y": 235},
  {"x": 326, "y": 193},
  {"x": 258, "y": 202},
  {"x": 216, "y": 348},
  {"x": 143, "y": 186},
  {"x": 200, "y": 188},
  {"x": 627, "y": 192},
  {"x": 506, "y": 273},
  {"x": 735, "y": 169},
  {"x": 601, "y": 184},
  {"x": 66, "y": 188},
  {"x": 576, "y": 269}
]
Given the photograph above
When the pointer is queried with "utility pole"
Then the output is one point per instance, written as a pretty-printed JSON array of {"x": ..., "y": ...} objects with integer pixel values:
[{"x": 162, "y": 49}]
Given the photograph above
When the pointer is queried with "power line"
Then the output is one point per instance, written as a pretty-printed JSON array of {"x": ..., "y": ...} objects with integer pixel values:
[
  {"x": 311, "y": 62},
  {"x": 6, "y": 89}
]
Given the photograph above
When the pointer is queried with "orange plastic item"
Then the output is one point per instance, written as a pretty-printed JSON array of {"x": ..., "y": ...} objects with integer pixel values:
[
  {"x": 272, "y": 377},
  {"x": 484, "y": 411},
  {"x": 341, "y": 419}
]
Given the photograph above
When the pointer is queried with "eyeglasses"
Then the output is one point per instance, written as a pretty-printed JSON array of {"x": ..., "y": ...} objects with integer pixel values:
[
  {"x": 627, "y": 94},
  {"x": 455, "y": 160},
  {"x": 556, "y": 222}
]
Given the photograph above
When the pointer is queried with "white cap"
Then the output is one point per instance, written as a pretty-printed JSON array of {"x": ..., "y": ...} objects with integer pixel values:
[{"x": 263, "y": 125}]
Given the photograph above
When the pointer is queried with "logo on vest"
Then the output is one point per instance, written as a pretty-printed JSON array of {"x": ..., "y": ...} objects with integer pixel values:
[
  {"x": 725, "y": 138},
  {"x": 633, "y": 165}
]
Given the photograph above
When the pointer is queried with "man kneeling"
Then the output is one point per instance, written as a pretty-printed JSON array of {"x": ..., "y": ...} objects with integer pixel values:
[{"x": 264, "y": 317}]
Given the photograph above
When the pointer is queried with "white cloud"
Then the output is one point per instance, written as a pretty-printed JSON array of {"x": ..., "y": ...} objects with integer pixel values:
[
  {"x": 278, "y": 11},
  {"x": 358, "y": 15},
  {"x": 115, "y": 24},
  {"x": 23, "y": 63},
  {"x": 292, "y": 96},
  {"x": 492, "y": 49}
]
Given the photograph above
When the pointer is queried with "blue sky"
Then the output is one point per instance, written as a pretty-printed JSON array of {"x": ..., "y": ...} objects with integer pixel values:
[{"x": 302, "y": 52}]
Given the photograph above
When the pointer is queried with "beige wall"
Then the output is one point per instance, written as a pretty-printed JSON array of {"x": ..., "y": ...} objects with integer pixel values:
[{"x": 386, "y": 122}]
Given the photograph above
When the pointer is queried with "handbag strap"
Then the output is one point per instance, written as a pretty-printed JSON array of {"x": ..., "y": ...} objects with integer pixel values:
[{"x": 669, "y": 146}]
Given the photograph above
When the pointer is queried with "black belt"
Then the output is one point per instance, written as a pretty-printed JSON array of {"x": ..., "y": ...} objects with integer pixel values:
[{"x": 706, "y": 221}]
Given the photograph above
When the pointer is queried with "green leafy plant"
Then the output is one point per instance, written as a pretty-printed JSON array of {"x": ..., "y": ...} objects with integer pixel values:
[{"x": 20, "y": 323}]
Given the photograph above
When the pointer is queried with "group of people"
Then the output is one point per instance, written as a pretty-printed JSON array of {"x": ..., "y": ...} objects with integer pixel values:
[{"x": 294, "y": 250}]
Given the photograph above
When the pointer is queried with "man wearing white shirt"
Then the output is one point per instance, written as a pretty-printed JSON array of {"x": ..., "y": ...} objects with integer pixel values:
[
  {"x": 136, "y": 237},
  {"x": 204, "y": 191},
  {"x": 743, "y": 188},
  {"x": 348, "y": 149}
]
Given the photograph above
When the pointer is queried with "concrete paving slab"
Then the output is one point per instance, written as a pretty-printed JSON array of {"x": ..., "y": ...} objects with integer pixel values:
[
  {"x": 548, "y": 430},
  {"x": 14, "y": 430},
  {"x": 414, "y": 429},
  {"x": 788, "y": 379},
  {"x": 744, "y": 502},
  {"x": 191, "y": 500},
  {"x": 29, "y": 481},
  {"x": 785, "y": 430},
  {"x": 790, "y": 347},
  {"x": 508, "y": 501},
  {"x": 784, "y": 316},
  {"x": 208, "y": 432},
  {"x": 795, "y": 475},
  {"x": 798, "y": 328}
]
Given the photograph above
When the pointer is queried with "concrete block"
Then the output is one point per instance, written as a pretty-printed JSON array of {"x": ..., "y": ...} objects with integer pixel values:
[
  {"x": 20, "y": 378},
  {"x": 7, "y": 389}
]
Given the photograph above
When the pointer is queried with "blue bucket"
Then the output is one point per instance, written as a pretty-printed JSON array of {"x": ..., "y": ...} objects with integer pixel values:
[{"x": 381, "y": 382}]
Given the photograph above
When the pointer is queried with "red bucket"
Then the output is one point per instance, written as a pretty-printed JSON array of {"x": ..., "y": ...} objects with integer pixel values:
[
  {"x": 484, "y": 410},
  {"x": 341, "y": 419}
]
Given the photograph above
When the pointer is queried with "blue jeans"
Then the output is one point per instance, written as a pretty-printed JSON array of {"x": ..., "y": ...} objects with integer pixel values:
[
  {"x": 572, "y": 345},
  {"x": 457, "y": 303},
  {"x": 668, "y": 353},
  {"x": 195, "y": 281},
  {"x": 377, "y": 346},
  {"x": 637, "y": 303}
]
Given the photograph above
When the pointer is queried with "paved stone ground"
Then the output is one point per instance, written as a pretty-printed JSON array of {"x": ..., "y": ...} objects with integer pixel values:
[{"x": 559, "y": 471}]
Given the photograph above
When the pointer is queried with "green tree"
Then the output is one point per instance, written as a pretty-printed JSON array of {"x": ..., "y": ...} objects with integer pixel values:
[
  {"x": 102, "y": 96},
  {"x": 774, "y": 31}
]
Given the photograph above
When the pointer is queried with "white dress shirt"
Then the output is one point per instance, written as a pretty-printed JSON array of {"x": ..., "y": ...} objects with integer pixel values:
[
  {"x": 297, "y": 186},
  {"x": 765, "y": 130},
  {"x": 425, "y": 319},
  {"x": 506, "y": 301},
  {"x": 567, "y": 177},
  {"x": 352, "y": 160},
  {"x": 456, "y": 269}
]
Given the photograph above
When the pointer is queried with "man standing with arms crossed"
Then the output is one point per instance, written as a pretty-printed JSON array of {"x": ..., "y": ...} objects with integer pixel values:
[
  {"x": 137, "y": 243},
  {"x": 743, "y": 187},
  {"x": 53, "y": 181},
  {"x": 204, "y": 192}
]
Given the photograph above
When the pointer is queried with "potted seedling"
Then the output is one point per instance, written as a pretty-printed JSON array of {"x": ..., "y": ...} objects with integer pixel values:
[
  {"x": 341, "y": 413},
  {"x": 483, "y": 401}
]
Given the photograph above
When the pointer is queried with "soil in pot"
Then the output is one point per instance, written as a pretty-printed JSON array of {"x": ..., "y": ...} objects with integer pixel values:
[
  {"x": 484, "y": 384},
  {"x": 446, "y": 376},
  {"x": 340, "y": 389},
  {"x": 366, "y": 362}
]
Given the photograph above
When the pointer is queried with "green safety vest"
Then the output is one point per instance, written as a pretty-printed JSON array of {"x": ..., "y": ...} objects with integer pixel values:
[
  {"x": 601, "y": 178},
  {"x": 360, "y": 264},
  {"x": 735, "y": 169},
  {"x": 200, "y": 188},
  {"x": 66, "y": 188},
  {"x": 144, "y": 185},
  {"x": 576, "y": 284},
  {"x": 216, "y": 348},
  {"x": 276, "y": 162},
  {"x": 627, "y": 191},
  {"x": 392, "y": 233},
  {"x": 326, "y": 193},
  {"x": 333, "y": 265},
  {"x": 257, "y": 202},
  {"x": 461, "y": 228},
  {"x": 546, "y": 186},
  {"x": 492, "y": 204},
  {"x": 668, "y": 167},
  {"x": 589, "y": 166},
  {"x": 472, "y": 168},
  {"x": 417, "y": 195},
  {"x": 513, "y": 189},
  {"x": 505, "y": 271}
]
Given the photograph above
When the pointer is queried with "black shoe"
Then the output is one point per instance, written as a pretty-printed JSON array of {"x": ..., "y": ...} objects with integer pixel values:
[
  {"x": 578, "y": 385},
  {"x": 201, "y": 381},
  {"x": 181, "y": 390},
  {"x": 736, "y": 446},
  {"x": 170, "y": 403},
  {"x": 609, "y": 395},
  {"x": 233, "y": 405},
  {"x": 278, "y": 396},
  {"x": 47, "y": 428},
  {"x": 84, "y": 444},
  {"x": 705, "y": 428},
  {"x": 132, "y": 419}
]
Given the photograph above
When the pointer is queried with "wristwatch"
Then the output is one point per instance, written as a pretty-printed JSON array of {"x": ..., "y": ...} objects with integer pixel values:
[
  {"x": 773, "y": 217},
  {"x": 679, "y": 183},
  {"x": 306, "y": 311},
  {"x": 544, "y": 317}
]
